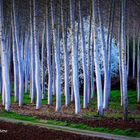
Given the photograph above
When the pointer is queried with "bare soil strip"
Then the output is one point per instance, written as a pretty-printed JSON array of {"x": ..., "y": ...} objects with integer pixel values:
[{"x": 36, "y": 128}]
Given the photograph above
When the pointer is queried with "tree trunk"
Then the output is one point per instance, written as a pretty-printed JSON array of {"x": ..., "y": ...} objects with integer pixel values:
[
  {"x": 97, "y": 69},
  {"x": 66, "y": 56},
  {"x": 85, "y": 103},
  {"x": 32, "y": 64},
  {"x": 37, "y": 60},
  {"x": 74, "y": 60},
  {"x": 138, "y": 71},
  {"x": 49, "y": 65},
  {"x": 5, "y": 70},
  {"x": 105, "y": 63},
  {"x": 18, "y": 49},
  {"x": 134, "y": 54},
  {"x": 123, "y": 45}
]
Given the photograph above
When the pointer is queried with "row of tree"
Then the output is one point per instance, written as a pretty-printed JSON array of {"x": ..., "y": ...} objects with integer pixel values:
[{"x": 61, "y": 28}]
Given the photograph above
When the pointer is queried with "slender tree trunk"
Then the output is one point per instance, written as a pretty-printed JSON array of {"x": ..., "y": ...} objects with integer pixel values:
[
  {"x": 128, "y": 55},
  {"x": 74, "y": 60},
  {"x": 96, "y": 56},
  {"x": 49, "y": 65},
  {"x": 134, "y": 54},
  {"x": 15, "y": 62},
  {"x": 5, "y": 70},
  {"x": 42, "y": 64},
  {"x": 138, "y": 71},
  {"x": 32, "y": 64},
  {"x": 124, "y": 65},
  {"x": 37, "y": 60},
  {"x": 92, "y": 57},
  {"x": 58, "y": 76},
  {"x": 120, "y": 56},
  {"x": 85, "y": 103},
  {"x": 56, "y": 44},
  {"x": 66, "y": 57},
  {"x": 109, "y": 47},
  {"x": 18, "y": 49},
  {"x": 105, "y": 63}
]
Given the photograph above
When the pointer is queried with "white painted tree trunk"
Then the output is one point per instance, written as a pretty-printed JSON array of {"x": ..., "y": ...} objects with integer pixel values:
[
  {"x": 109, "y": 45},
  {"x": 66, "y": 56},
  {"x": 5, "y": 70},
  {"x": 138, "y": 71},
  {"x": 42, "y": 64},
  {"x": 134, "y": 54},
  {"x": 124, "y": 65},
  {"x": 18, "y": 49},
  {"x": 74, "y": 60},
  {"x": 96, "y": 56},
  {"x": 37, "y": 60},
  {"x": 85, "y": 99},
  {"x": 92, "y": 69},
  {"x": 58, "y": 76},
  {"x": 56, "y": 44},
  {"x": 32, "y": 64},
  {"x": 49, "y": 65},
  {"x": 128, "y": 55},
  {"x": 15, "y": 62},
  {"x": 105, "y": 63}
]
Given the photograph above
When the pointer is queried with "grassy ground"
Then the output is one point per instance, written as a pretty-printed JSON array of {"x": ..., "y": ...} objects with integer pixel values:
[
  {"x": 12, "y": 115},
  {"x": 115, "y": 109}
]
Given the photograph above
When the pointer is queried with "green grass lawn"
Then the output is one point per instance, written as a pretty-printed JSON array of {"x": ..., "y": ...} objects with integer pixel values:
[
  {"x": 114, "y": 105},
  {"x": 13, "y": 115}
]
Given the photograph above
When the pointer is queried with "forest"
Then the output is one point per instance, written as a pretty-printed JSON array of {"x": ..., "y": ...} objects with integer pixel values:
[{"x": 73, "y": 63}]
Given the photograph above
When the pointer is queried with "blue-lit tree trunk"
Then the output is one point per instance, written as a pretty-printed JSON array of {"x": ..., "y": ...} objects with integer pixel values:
[
  {"x": 37, "y": 60},
  {"x": 56, "y": 44},
  {"x": 96, "y": 57},
  {"x": 18, "y": 49},
  {"x": 124, "y": 65},
  {"x": 85, "y": 99},
  {"x": 15, "y": 62},
  {"x": 138, "y": 70},
  {"x": 128, "y": 47},
  {"x": 49, "y": 60},
  {"x": 5, "y": 70},
  {"x": 42, "y": 63},
  {"x": 26, "y": 61},
  {"x": 74, "y": 59},
  {"x": 134, "y": 52},
  {"x": 105, "y": 63},
  {"x": 32, "y": 63},
  {"x": 109, "y": 46},
  {"x": 66, "y": 57}
]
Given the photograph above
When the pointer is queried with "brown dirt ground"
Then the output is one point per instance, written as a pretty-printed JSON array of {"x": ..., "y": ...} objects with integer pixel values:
[{"x": 22, "y": 132}]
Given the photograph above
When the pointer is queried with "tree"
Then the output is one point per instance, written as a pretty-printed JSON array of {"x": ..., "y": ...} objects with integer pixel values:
[
  {"x": 49, "y": 65},
  {"x": 124, "y": 65},
  {"x": 18, "y": 43},
  {"x": 74, "y": 60},
  {"x": 5, "y": 70},
  {"x": 106, "y": 76},
  {"x": 66, "y": 56},
  {"x": 97, "y": 69},
  {"x": 15, "y": 62},
  {"x": 37, "y": 60},
  {"x": 56, "y": 44},
  {"x": 85, "y": 103},
  {"x": 138, "y": 70},
  {"x": 32, "y": 64},
  {"x": 134, "y": 52}
]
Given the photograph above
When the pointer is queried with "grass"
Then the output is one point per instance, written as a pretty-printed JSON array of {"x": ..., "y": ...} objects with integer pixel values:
[
  {"x": 114, "y": 105},
  {"x": 13, "y": 115}
]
